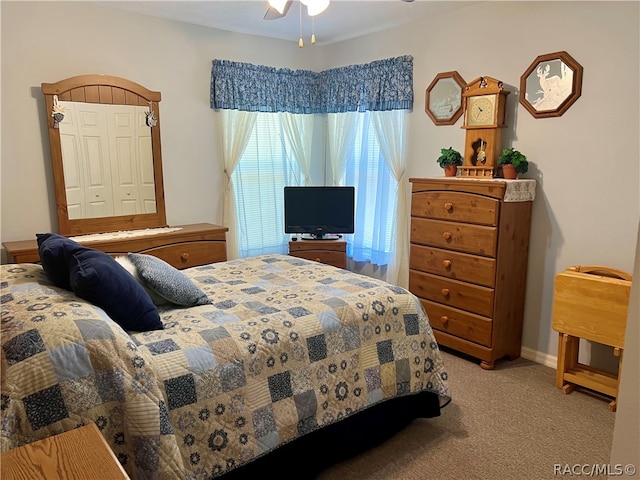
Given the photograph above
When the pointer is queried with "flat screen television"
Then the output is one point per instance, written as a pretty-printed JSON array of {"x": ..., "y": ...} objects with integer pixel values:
[{"x": 319, "y": 212}]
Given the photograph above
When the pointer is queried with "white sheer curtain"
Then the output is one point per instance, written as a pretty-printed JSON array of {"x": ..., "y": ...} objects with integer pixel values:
[
  {"x": 298, "y": 129},
  {"x": 237, "y": 127},
  {"x": 266, "y": 166},
  {"x": 391, "y": 131},
  {"x": 341, "y": 133},
  {"x": 357, "y": 159}
]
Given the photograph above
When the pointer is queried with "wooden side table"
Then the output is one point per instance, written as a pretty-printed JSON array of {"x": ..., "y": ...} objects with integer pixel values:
[
  {"x": 79, "y": 454},
  {"x": 330, "y": 252},
  {"x": 590, "y": 302}
]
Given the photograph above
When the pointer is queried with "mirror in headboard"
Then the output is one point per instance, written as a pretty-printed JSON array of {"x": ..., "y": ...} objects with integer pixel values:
[{"x": 104, "y": 133}]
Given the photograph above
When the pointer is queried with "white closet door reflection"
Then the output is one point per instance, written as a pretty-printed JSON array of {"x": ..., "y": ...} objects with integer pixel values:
[{"x": 108, "y": 161}]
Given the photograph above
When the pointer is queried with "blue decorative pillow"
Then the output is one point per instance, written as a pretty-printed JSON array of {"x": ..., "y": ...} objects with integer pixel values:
[
  {"x": 126, "y": 263},
  {"x": 167, "y": 281},
  {"x": 99, "y": 279},
  {"x": 54, "y": 251}
]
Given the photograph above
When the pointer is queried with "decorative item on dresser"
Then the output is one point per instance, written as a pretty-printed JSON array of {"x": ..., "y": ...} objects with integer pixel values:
[
  {"x": 449, "y": 160},
  {"x": 468, "y": 261},
  {"x": 512, "y": 162},
  {"x": 182, "y": 246},
  {"x": 484, "y": 119},
  {"x": 329, "y": 252}
]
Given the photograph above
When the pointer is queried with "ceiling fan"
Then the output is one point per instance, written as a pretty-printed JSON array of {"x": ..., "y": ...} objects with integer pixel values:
[{"x": 280, "y": 8}]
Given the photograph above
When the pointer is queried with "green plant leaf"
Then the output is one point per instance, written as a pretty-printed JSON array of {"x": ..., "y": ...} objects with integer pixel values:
[{"x": 449, "y": 156}]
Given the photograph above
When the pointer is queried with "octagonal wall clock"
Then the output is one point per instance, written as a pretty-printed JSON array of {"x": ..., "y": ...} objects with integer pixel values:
[
  {"x": 551, "y": 84},
  {"x": 443, "y": 99}
]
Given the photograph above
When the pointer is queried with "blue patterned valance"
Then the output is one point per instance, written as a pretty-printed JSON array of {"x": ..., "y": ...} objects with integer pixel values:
[
  {"x": 380, "y": 85},
  {"x": 256, "y": 88}
]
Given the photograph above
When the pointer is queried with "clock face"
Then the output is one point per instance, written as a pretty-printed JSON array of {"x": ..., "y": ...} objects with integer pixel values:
[{"x": 481, "y": 110}]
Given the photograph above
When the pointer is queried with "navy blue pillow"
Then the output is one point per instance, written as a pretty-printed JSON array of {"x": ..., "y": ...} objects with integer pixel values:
[
  {"x": 54, "y": 251},
  {"x": 99, "y": 279}
]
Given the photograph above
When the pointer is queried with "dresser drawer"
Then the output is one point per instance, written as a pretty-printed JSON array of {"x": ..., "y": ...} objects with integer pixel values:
[
  {"x": 317, "y": 246},
  {"x": 467, "y": 296},
  {"x": 456, "y": 265},
  {"x": 190, "y": 254},
  {"x": 459, "y": 323},
  {"x": 337, "y": 259},
  {"x": 456, "y": 206},
  {"x": 476, "y": 239}
]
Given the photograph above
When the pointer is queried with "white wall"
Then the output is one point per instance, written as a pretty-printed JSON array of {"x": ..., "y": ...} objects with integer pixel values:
[{"x": 584, "y": 213}]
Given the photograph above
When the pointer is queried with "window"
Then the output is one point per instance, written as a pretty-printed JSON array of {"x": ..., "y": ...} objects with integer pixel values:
[
  {"x": 376, "y": 197},
  {"x": 263, "y": 171},
  {"x": 267, "y": 165}
]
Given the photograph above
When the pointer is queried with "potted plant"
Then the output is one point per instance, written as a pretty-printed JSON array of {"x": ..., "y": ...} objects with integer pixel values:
[
  {"x": 513, "y": 162},
  {"x": 449, "y": 160}
]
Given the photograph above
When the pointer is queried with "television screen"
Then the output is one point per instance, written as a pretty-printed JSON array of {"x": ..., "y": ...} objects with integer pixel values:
[{"x": 319, "y": 211}]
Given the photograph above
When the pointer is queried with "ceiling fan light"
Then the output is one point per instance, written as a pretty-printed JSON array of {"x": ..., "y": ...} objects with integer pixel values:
[
  {"x": 278, "y": 5},
  {"x": 315, "y": 7}
]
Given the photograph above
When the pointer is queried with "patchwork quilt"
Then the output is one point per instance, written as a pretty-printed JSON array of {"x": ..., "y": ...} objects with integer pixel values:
[{"x": 286, "y": 347}]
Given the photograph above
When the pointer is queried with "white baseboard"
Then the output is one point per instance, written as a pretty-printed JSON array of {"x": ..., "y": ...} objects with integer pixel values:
[{"x": 539, "y": 357}]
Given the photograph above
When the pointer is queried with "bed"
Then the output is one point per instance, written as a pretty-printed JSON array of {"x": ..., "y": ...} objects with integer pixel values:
[{"x": 287, "y": 353}]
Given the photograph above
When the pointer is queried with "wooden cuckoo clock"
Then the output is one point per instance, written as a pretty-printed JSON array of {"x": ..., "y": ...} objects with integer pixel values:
[{"x": 485, "y": 112}]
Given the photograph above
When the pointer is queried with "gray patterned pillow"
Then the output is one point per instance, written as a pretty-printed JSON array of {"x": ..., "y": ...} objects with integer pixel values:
[{"x": 167, "y": 281}]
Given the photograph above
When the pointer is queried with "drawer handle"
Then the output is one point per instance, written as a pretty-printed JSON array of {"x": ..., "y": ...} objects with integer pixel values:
[
  {"x": 446, "y": 263},
  {"x": 446, "y": 235},
  {"x": 448, "y": 206},
  {"x": 185, "y": 256},
  {"x": 445, "y": 292},
  {"x": 444, "y": 319},
  {"x": 317, "y": 259}
]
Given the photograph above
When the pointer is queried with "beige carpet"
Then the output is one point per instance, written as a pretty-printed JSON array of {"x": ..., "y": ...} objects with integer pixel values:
[{"x": 510, "y": 423}]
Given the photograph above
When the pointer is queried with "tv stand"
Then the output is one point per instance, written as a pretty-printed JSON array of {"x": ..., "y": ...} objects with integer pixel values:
[{"x": 331, "y": 253}]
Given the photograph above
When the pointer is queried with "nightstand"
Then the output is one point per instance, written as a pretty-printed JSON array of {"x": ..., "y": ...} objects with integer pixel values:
[
  {"x": 78, "y": 454},
  {"x": 330, "y": 252}
]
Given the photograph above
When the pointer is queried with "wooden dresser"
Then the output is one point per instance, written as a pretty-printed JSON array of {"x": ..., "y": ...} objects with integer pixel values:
[
  {"x": 468, "y": 261},
  {"x": 330, "y": 252},
  {"x": 191, "y": 246}
]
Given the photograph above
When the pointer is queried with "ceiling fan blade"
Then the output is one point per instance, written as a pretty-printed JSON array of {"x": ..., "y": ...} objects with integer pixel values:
[{"x": 273, "y": 14}]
